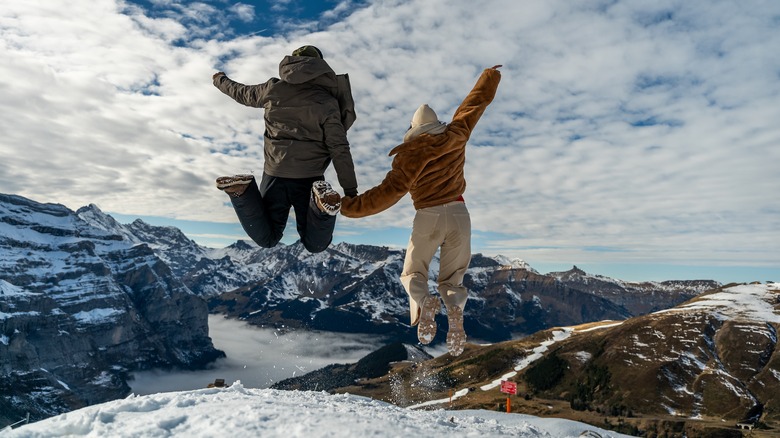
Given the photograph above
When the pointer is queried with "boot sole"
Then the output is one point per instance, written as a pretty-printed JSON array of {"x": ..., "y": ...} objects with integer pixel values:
[
  {"x": 456, "y": 335},
  {"x": 426, "y": 327},
  {"x": 321, "y": 189},
  {"x": 224, "y": 182}
]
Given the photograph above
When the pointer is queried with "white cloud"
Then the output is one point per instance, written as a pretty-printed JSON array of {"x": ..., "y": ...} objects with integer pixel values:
[
  {"x": 243, "y": 11},
  {"x": 649, "y": 128}
]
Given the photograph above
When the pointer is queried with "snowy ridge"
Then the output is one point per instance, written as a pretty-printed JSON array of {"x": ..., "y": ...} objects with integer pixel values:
[
  {"x": 578, "y": 275},
  {"x": 240, "y": 412},
  {"x": 93, "y": 216},
  {"x": 49, "y": 225},
  {"x": 507, "y": 263},
  {"x": 749, "y": 301},
  {"x": 7, "y": 290}
]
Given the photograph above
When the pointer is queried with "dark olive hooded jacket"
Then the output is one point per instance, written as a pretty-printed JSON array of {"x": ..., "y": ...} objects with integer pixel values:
[{"x": 307, "y": 114}]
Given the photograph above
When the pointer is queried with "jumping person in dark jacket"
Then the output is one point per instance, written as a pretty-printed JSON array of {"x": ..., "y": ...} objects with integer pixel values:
[{"x": 307, "y": 114}]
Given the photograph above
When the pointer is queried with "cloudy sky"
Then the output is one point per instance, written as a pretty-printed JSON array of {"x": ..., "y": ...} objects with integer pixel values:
[{"x": 634, "y": 139}]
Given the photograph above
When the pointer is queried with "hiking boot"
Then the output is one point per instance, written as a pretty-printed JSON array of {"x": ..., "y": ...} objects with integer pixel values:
[
  {"x": 327, "y": 200},
  {"x": 235, "y": 185},
  {"x": 426, "y": 326},
  {"x": 456, "y": 336}
]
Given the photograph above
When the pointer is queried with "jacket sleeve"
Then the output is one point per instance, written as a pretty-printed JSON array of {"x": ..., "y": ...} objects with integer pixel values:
[
  {"x": 346, "y": 102},
  {"x": 340, "y": 155},
  {"x": 335, "y": 139},
  {"x": 249, "y": 95},
  {"x": 472, "y": 107},
  {"x": 396, "y": 184},
  {"x": 335, "y": 130}
]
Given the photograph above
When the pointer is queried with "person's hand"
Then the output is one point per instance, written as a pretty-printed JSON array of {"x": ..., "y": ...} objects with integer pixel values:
[
  {"x": 496, "y": 67},
  {"x": 217, "y": 74}
]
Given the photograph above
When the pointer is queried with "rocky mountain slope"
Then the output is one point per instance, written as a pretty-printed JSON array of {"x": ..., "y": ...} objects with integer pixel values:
[
  {"x": 638, "y": 298},
  {"x": 81, "y": 307},
  {"x": 694, "y": 370}
]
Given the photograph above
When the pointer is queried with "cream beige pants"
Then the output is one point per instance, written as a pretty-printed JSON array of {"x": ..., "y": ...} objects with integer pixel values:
[{"x": 447, "y": 227}]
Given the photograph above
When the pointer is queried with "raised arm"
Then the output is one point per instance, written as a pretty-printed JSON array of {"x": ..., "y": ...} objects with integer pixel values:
[
  {"x": 472, "y": 107},
  {"x": 249, "y": 95}
]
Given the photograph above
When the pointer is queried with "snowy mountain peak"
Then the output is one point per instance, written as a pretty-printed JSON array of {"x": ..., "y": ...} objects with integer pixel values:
[
  {"x": 514, "y": 263},
  {"x": 575, "y": 274},
  {"x": 95, "y": 217}
]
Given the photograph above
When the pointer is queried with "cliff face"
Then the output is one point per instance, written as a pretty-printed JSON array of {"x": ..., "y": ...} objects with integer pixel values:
[
  {"x": 81, "y": 307},
  {"x": 639, "y": 298}
]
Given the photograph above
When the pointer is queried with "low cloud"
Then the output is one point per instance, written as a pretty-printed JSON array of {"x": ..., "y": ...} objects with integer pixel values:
[{"x": 260, "y": 357}]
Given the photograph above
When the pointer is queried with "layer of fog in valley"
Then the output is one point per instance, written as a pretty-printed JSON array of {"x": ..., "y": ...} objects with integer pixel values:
[{"x": 260, "y": 357}]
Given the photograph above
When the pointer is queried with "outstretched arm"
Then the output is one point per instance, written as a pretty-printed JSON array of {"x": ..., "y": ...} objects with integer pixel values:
[
  {"x": 396, "y": 184},
  {"x": 472, "y": 107},
  {"x": 249, "y": 95}
]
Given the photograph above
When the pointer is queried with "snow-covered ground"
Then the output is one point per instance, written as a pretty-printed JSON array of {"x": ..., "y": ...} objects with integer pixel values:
[{"x": 240, "y": 412}]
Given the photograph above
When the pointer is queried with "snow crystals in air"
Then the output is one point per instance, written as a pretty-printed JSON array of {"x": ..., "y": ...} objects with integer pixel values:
[{"x": 240, "y": 412}]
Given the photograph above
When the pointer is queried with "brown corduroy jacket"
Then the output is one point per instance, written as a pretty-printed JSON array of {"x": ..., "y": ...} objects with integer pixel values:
[{"x": 430, "y": 167}]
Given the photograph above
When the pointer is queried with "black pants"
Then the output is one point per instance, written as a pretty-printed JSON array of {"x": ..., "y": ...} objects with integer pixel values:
[{"x": 263, "y": 212}]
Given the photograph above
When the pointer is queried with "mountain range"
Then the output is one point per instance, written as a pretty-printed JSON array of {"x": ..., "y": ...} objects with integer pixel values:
[
  {"x": 85, "y": 300},
  {"x": 356, "y": 288}
]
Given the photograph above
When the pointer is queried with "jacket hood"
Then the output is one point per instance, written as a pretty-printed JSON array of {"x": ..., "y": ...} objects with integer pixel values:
[{"x": 300, "y": 69}]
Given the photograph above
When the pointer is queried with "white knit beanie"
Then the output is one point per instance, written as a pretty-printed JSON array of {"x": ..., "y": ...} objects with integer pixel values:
[{"x": 424, "y": 121}]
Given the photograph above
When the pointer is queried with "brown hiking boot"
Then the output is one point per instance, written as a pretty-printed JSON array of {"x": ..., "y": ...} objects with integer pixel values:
[
  {"x": 426, "y": 327},
  {"x": 327, "y": 200},
  {"x": 456, "y": 336},
  {"x": 235, "y": 185}
]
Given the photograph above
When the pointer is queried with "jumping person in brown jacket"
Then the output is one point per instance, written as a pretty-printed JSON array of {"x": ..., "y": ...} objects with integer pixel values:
[
  {"x": 307, "y": 114},
  {"x": 429, "y": 165}
]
